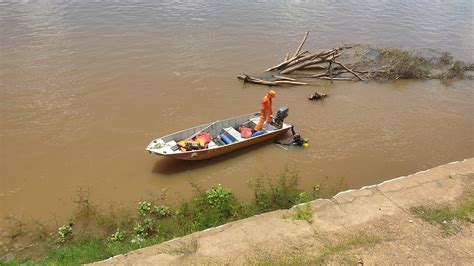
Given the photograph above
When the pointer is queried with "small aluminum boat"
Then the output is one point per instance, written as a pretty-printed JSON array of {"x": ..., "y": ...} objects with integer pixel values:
[{"x": 219, "y": 130}]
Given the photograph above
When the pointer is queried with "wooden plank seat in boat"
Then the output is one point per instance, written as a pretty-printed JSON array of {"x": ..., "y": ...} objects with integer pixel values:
[
  {"x": 212, "y": 144},
  {"x": 266, "y": 127},
  {"x": 170, "y": 146},
  {"x": 233, "y": 132}
]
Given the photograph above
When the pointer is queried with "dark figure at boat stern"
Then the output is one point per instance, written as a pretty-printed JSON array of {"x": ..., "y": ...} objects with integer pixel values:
[{"x": 296, "y": 141}]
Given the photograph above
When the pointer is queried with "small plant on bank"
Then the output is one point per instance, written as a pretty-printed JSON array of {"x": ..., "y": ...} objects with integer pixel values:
[
  {"x": 146, "y": 228},
  {"x": 315, "y": 192},
  {"x": 145, "y": 225},
  {"x": 140, "y": 230},
  {"x": 144, "y": 208},
  {"x": 304, "y": 212},
  {"x": 118, "y": 236},
  {"x": 149, "y": 216},
  {"x": 149, "y": 224},
  {"x": 282, "y": 194},
  {"x": 220, "y": 198},
  {"x": 84, "y": 206},
  {"x": 214, "y": 207},
  {"x": 301, "y": 212},
  {"x": 303, "y": 197},
  {"x": 161, "y": 211},
  {"x": 65, "y": 232}
]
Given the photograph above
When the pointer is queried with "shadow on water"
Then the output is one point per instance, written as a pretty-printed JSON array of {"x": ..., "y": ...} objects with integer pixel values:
[{"x": 170, "y": 166}]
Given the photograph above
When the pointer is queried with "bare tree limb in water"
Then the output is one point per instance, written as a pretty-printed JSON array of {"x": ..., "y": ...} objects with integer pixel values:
[
  {"x": 280, "y": 81},
  {"x": 346, "y": 68}
]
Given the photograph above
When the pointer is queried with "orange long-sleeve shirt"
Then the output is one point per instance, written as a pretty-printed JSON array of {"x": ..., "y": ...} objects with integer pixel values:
[
  {"x": 266, "y": 104},
  {"x": 265, "y": 111}
]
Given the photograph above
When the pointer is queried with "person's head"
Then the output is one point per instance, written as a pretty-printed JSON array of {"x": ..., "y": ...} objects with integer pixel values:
[{"x": 272, "y": 93}]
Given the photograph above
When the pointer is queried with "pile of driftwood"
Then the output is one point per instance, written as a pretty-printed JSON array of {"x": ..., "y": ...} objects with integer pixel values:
[
  {"x": 325, "y": 63},
  {"x": 356, "y": 63}
]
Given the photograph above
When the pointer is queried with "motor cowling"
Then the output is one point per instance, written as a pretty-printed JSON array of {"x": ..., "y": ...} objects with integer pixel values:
[{"x": 280, "y": 116}]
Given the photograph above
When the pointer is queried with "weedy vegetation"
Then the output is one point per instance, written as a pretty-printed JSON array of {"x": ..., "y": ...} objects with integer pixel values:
[
  {"x": 449, "y": 218},
  {"x": 302, "y": 212},
  {"x": 94, "y": 235},
  {"x": 329, "y": 251}
]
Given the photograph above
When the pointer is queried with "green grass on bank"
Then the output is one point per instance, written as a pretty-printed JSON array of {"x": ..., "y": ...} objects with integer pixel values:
[
  {"x": 332, "y": 249},
  {"x": 328, "y": 252},
  {"x": 449, "y": 218},
  {"x": 302, "y": 212},
  {"x": 93, "y": 235}
]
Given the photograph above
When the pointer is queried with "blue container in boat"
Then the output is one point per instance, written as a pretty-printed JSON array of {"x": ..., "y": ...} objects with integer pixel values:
[
  {"x": 226, "y": 139},
  {"x": 257, "y": 133}
]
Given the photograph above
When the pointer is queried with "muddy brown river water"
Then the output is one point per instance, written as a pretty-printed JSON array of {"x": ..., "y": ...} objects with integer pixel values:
[{"x": 86, "y": 85}]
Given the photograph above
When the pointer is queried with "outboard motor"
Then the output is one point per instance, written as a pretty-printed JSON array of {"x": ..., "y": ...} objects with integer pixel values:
[{"x": 280, "y": 116}]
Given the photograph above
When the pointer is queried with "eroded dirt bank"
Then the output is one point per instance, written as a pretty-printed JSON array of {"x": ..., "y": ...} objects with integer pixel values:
[{"x": 372, "y": 225}]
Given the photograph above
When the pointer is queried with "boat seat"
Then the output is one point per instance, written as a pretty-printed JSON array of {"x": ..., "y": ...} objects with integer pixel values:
[
  {"x": 212, "y": 144},
  {"x": 169, "y": 146},
  {"x": 171, "y": 143},
  {"x": 218, "y": 142},
  {"x": 255, "y": 120},
  {"x": 266, "y": 127},
  {"x": 251, "y": 124},
  {"x": 234, "y": 133}
]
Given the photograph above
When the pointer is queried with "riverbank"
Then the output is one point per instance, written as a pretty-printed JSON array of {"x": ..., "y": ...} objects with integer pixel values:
[
  {"x": 93, "y": 234},
  {"x": 375, "y": 224}
]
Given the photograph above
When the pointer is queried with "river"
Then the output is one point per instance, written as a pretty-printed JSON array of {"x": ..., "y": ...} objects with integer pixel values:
[{"x": 85, "y": 85}]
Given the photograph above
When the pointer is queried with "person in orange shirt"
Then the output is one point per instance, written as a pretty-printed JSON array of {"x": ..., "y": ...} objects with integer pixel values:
[{"x": 265, "y": 110}]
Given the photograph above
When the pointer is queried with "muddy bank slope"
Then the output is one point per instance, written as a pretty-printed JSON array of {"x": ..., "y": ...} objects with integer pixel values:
[{"x": 371, "y": 225}]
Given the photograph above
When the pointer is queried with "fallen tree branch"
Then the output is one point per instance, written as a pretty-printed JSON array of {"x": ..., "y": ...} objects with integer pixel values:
[
  {"x": 315, "y": 67},
  {"x": 247, "y": 78},
  {"x": 346, "y": 68},
  {"x": 286, "y": 62},
  {"x": 303, "y": 65},
  {"x": 346, "y": 79},
  {"x": 325, "y": 74},
  {"x": 301, "y": 45},
  {"x": 322, "y": 54},
  {"x": 330, "y": 68},
  {"x": 284, "y": 78}
]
